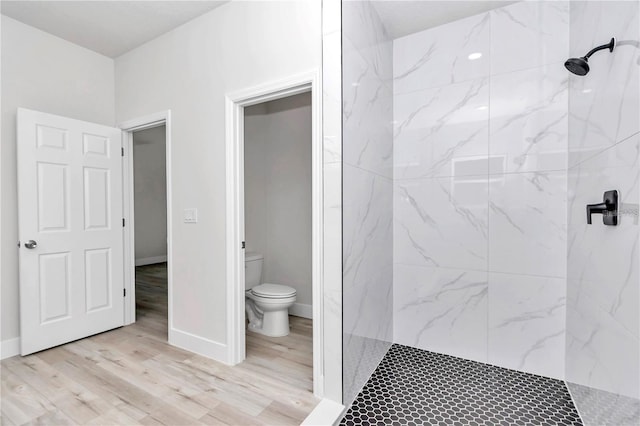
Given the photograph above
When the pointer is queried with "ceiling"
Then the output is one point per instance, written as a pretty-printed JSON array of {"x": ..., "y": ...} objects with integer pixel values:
[
  {"x": 401, "y": 17},
  {"x": 115, "y": 27},
  {"x": 107, "y": 27}
]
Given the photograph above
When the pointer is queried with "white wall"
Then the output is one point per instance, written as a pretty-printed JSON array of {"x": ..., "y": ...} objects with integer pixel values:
[
  {"x": 150, "y": 184},
  {"x": 189, "y": 70},
  {"x": 45, "y": 73},
  {"x": 277, "y": 183}
]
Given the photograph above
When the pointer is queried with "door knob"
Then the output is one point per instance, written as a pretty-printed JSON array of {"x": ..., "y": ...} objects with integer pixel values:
[
  {"x": 31, "y": 244},
  {"x": 608, "y": 209}
]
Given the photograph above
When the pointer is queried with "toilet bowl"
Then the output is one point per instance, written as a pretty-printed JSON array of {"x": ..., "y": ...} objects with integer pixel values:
[{"x": 267, "y": 305}]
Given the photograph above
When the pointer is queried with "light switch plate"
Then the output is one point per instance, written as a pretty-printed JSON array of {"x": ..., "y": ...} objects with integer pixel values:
[{"x": 190, "y": 215}]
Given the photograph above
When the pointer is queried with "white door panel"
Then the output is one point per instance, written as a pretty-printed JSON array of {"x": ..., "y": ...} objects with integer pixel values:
[{"x": 70, "y": 204}]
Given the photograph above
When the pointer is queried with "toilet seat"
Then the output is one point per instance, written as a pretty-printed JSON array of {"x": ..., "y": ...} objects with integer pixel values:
[{"x": 273, "y": 291}]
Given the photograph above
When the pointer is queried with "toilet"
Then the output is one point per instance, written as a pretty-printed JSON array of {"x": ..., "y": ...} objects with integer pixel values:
[{"x": 267, "y": 305}]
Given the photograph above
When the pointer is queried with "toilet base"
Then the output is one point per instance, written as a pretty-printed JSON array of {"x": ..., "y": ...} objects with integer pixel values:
[
  {"x": 268, "y": 316},
  {"x": 272, "y": 324}
]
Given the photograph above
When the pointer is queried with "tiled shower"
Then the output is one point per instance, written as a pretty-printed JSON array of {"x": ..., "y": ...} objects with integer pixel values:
[{"x": 469, "y": 155}]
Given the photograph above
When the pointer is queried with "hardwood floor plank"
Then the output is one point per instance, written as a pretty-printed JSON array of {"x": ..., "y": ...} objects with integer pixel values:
[
  {"x": 109, "y": 386},
  {"x": 131, "y": 375},
  {"x": 4, "y": 421},
  {"x": 275, "y": 414},
  {"x": 166, "y": 416},
  {"x": 114, "y": 417},
  {"x": 227, "y": 415},
  {"x": 55, "y": 417},
  {"x": 20, "y": 402},
  {"x": 75, "y": 401}
]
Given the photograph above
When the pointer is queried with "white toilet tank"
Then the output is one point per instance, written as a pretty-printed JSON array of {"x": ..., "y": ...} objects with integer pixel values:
[{"x": 252, "y": 269}]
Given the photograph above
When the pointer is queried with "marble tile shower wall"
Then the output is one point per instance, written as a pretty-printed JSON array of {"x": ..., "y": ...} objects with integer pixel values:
[
  {"x": 367, "y": 158},
  {"x": 480, "y": 187},
  {"x": 602, "y": 337},
  {"x": 332, "y": 187}
]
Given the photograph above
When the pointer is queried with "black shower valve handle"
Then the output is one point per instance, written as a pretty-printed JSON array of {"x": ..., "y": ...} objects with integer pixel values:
[
  {"x": 608, "y": 209},
  {"x": 602, "y": 208}
]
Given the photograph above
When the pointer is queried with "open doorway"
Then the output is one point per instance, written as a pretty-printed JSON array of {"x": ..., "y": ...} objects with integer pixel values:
[
  {"x": 150, "y": 229},
  {"x": 278, "y": 235},
  {"x": 236, "y": 103},
  {"x": 147, "y": 201}
]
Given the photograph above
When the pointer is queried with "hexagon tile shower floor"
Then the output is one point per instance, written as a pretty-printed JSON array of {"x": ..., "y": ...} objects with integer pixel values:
[{"x": 415, "y": 387}]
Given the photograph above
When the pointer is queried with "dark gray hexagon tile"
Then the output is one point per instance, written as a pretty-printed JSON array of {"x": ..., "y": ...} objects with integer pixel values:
[{"x": 416, "y": 387}]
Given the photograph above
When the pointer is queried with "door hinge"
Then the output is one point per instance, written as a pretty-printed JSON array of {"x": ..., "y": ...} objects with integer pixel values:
[
  {"x": 243, "y": 244},
  {"x": 123, "y": 222},
  {"x": 124, "y": 292},
  {"x": 122, "y": 151}
]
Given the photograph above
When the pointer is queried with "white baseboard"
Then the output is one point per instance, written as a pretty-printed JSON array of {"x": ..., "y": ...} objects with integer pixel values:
[
  {"x": 301, "y": 310},
  {"x": 181, "y": 339},
  {"x": 151, "y": 260},
  {"x": 199, "y": 345},
  {"x": 9, "y": 348},
  {"x": 327, "y": 412}
]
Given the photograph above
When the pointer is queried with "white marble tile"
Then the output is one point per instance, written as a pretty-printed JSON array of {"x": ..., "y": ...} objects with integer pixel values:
[
  {"x": 450, "y": 53},
  {"x": 591, "y": 21},
  {"x": 367, "y": 254},
  {"x": 600, "y": 352},
  {"x": 332, "y": 130},
  {"x": 367, "y": 116},
  {"x": 333, "y": 225},
  {"x": 367, "y": 160},
  {"x": 332, "y": 341},
  {"x": 367, "y": 275},
  {"x": 361, "y": 357},
  {"x": 443, "y": 131},
  {"x": 441, "y": 310},
  {"x": 528, "y": 34},
  {"x": 605, "y": 104},
  {"x": 332, "y": 199},
  {"x": 332, "y": 65},
  {"x": 331, "y": 16},
  {"x": 603, "y": 283},
  {"x": 527, "y": 323},
  {"x": 529, "y": 120},
  {"x": 603, "y": 260},
  {"x": 332, "y": 276},
  {"x": 331, "y": 97},
  {"x": 527, "y": 223},
  {"x": 441, "y": 222},
  {"x": 363, "y": 31},
  {"x": 361, "y": 24},
  {"x": 598, "y": 407}
]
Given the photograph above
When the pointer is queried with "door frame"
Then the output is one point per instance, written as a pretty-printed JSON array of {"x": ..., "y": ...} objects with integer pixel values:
[
  {"x": 128, "y": 128},
  {"x": 234, "y": 125}
]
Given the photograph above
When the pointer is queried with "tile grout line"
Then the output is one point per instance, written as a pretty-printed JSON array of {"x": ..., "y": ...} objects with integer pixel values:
[
  {"x": 602, "y": 151},
  {"x": 573, "y": 401},
  {"x": 488, "y": 213}
]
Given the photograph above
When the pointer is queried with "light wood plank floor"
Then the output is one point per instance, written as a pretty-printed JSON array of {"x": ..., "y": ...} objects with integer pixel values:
[{"x": 132, "y": 376}]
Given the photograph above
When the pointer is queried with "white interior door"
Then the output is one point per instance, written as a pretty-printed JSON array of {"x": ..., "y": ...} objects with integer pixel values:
[{"x": 70, "y": 227}]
